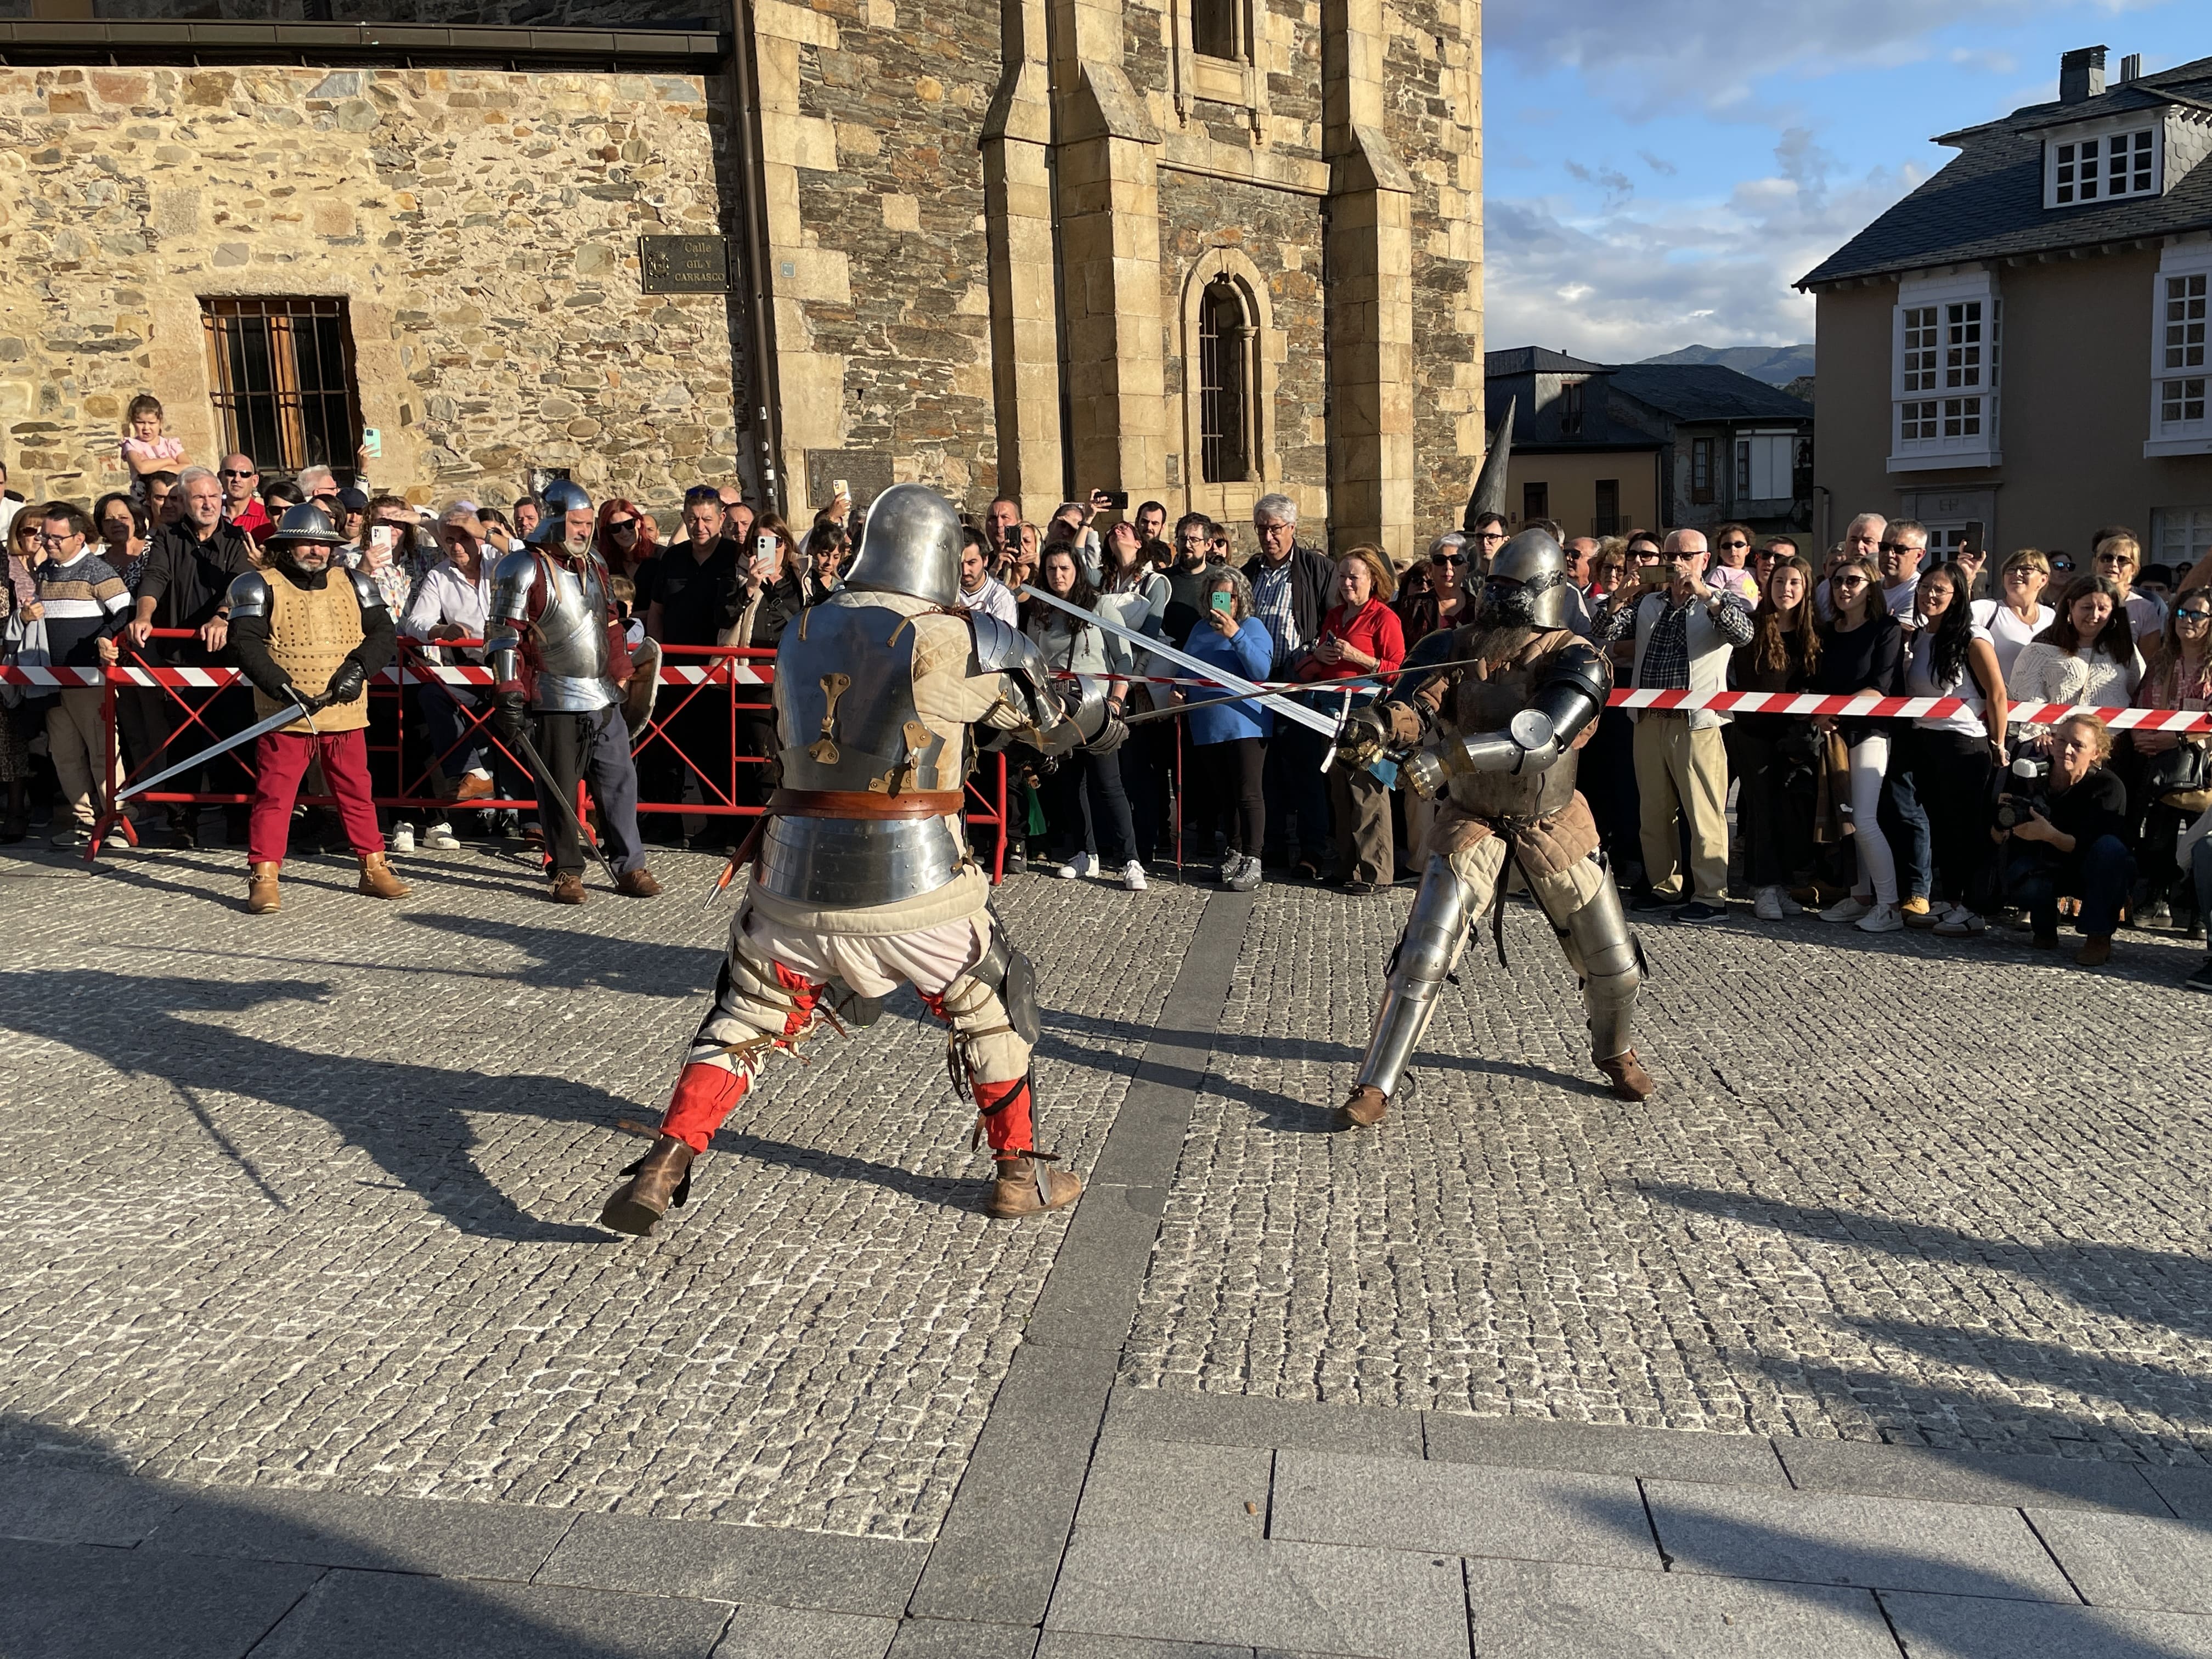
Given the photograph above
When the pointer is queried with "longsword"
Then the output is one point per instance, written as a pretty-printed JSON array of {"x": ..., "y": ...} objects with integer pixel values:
[
  {"x": 550, "y": 790},
  {"x": 282, "y": 717}
]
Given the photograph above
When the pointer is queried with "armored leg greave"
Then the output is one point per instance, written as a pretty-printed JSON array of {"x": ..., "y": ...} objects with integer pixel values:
[
  {"x": 1424, "y": 956},
  {"x": 1601, "y": 950}
]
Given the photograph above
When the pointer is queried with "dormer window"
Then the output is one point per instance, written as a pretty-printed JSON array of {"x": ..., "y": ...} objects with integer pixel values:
[{"x": 2102, "y": 168}]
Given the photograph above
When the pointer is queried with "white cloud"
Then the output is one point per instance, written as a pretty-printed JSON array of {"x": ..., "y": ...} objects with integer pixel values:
[{"x": 1631, "y": 282}]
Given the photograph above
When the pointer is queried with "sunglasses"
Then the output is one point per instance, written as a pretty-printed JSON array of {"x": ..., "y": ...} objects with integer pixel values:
[
  {"x": 620, "y": 524},
  {"x": 2192, "y": 615},
  {"x": 1899, "y": 547},
  {"x": 1448, "y": 558},
  {"x": 2060, "y": 567},
  {"x": 1736, "y": 544},
  {"x": 227, "y": 473},
  {"x": 1849, "y": 581},
  {"x": 2114, "y": 558}
]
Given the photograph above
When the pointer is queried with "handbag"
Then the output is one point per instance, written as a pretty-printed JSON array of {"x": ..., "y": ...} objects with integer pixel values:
[
  {"x": 2185, "y": 768},
  {"x": 1831, "y": 797},
  {"x": 22, "y": 645}
]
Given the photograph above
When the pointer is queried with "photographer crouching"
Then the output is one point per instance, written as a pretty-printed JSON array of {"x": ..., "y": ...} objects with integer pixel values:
[{"x": 2065, "y": 833}]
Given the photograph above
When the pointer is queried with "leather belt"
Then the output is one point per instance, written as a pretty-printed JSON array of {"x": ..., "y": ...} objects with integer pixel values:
[{"x": 864, "y": 804}]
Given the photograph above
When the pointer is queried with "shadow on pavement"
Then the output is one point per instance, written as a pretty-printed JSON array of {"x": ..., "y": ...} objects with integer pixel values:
[
  {"x": 96, "y": 1563},
  {"x": 411, "y": 1119}
]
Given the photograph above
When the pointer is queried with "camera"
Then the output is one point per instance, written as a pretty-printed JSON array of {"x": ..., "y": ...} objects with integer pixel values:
[{"x": 2026, "y": 794}]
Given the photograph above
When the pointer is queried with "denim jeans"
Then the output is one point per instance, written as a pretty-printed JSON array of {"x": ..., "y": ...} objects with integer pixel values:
[
  {"x": 2100, "y": 875},
  {"x": 1904, "y": 820}
]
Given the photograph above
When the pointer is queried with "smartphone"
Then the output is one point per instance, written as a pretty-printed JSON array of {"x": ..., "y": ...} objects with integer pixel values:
[
  {"x": 1118, "y": 500},
  {"x": 839, "y": 490},
  {"x": 1223, "y": 600},
  {"x": 372, "y": 443},
  {"x": 764, "y": 554},
  {"x": 379, "y": 535}
]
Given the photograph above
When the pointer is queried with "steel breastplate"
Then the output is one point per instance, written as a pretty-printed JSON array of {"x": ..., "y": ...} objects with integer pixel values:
[
  {"x": 572, "y": 641},
  {"x": 846, "y": 720},
  {"x": 844, "y": 708},
  {"x": 1489, "y": 705}
]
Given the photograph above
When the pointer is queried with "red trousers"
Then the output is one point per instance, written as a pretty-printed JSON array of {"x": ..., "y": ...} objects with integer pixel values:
[
  {"x": 280, "y": 762},
  {"x": 706, "y": 1094}
]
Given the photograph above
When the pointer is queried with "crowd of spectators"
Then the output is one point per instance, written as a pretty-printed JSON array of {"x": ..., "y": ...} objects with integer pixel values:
[{"x": 1951, "y": 823}]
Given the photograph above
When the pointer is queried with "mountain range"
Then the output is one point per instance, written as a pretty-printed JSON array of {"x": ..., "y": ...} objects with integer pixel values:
[{"x": 1776, "y": 365}]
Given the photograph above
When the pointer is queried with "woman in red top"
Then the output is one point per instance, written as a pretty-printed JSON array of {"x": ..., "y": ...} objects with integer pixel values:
[{"x": 1361, "y": 635}]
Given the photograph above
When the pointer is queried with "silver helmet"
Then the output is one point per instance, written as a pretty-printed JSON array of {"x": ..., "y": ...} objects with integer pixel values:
[
  {"x": 307, "y": 522},
  {"x": 1527, "y": 582},
  {"x": 911, "y": 546},
  {"x": 562, "y": 497}
]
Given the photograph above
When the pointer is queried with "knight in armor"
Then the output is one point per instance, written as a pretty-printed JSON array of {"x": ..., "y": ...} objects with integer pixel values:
[
  {"x": 310, "y": 637},
  {"x": 1488, "y": 718},
  {"x": 864, "y": 880},
  {"x": 554, "y": 643}
]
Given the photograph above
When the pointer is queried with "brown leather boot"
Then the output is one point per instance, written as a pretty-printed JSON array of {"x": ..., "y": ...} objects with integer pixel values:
[
  {"x": 637, "y": 884},
  {"x": 1014, "y": 1187},
  {"x": 2097, "y": 952},
  {"x": 377, "y": 880},
  {"x": 567, "y": 888},
  {"x": 1364, "y": 1109},
  {"x": 261, "y": 889},
  {"x": 661, "y": 1177},
  {"x": 1626, "y": 1074}
]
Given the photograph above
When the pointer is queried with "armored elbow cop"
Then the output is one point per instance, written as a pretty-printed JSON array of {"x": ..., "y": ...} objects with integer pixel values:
[
  {"x": 1003, "y": 650},
  {"x": 1572, "y": 694}
]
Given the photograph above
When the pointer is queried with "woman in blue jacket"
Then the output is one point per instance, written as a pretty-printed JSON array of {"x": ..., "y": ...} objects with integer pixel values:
[{"x": 1230, "y": 740}]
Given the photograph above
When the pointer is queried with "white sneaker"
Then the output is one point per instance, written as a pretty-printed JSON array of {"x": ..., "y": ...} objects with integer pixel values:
[
  {"x": 1077, "y": 867},
  {"x": 439, "y": 837},
  {"x": 1768, "y": 906},
  {"x": 1849, "y": 907},
  {"x": 403, "y": 838},
  {"x": 1882, "y": 919},
  {"x": 1132, "y": 876},
  {"x": 1960, "y": 922}
]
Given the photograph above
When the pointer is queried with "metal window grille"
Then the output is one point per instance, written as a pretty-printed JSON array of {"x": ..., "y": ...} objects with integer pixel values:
[
  {"x": 282, "y": 372},
  {"x": 1224, "y": 337}
]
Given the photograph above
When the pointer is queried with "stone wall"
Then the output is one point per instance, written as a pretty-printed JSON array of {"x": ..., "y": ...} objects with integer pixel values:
[
  {"x": 1431, "y": 82},
  {"x": 481, "y": 226}
]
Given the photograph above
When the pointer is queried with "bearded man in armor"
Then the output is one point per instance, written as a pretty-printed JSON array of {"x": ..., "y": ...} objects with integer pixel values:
[
  {"x": 554, "y": 643},
  {"x": 308, "y": 637},
  {"x": 865, "y": 881},
  {"x": 1488, "y": 718}
]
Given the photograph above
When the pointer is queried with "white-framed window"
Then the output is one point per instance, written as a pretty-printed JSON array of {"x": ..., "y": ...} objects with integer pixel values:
[
  {"x": 2099, "y": 167},
  {"x": 2181, "y": 352},
  {"x": 1764, "y": 462},
  {"x": 2179, "y": 536},
  {"x": 1944, "y": 378}
]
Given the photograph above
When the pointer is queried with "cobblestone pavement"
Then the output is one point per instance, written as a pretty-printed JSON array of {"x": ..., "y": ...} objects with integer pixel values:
[
  {"x": 1941, "y": 1193},
  {"x": 304, "y": 1200}
]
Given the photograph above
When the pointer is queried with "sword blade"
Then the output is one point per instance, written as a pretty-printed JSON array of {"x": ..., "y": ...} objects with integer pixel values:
[
  {"x": 1273, "y": 700},
  {"x": 282, "y": 717}
]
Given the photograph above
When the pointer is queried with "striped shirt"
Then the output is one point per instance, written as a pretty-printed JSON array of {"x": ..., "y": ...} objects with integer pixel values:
[{"x": 85, "y": 602}]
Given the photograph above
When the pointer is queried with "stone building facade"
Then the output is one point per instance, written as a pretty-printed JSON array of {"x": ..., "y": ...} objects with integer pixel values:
[{"x": 1024, "y": 245}]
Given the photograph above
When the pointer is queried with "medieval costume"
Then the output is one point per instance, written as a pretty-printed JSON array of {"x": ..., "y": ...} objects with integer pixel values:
[
  {"x": 865, "y": 881},
  {"x": 554, "y": 646},
  {"x": 307, "y": 636},
  {"x": 1490, "y": 733}
]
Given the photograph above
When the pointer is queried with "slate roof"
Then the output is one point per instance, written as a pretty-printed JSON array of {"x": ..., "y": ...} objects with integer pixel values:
[
  {"x": 1537, "y": 360},
  {"x": 1707, "y": 391},
  {"x": 1987, "y": 202}
]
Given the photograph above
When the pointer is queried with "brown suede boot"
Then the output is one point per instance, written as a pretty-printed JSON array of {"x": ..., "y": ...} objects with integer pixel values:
[
  {"x": 661, "y": 1177},
  {"x": 377, "y": 880},
  {"x": 261, "y": 889},
  {"x": 1364, "y": 1109},
  {"x": 1626, "y": 1074},
  {"x": 1014, "y": 1187}
]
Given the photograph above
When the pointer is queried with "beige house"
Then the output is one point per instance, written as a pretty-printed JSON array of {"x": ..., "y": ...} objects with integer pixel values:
[
  {"x": 2017, "y": 351},
  {"x": 1195, "y": 251}
]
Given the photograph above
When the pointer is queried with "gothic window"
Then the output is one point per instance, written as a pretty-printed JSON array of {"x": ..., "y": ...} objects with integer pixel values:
[{"x": 1224, "y": 382}]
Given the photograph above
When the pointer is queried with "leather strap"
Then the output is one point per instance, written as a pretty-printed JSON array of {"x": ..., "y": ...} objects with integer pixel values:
[{"x": 864, "y": 804}]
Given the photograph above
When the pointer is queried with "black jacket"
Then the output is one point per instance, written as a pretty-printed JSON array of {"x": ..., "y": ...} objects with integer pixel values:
[
  {"x": 1312, "y": 573},
  {"x": 190, "y": 579}
]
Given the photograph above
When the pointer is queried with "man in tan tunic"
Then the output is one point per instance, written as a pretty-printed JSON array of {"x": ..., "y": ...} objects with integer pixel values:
[
  {"x": 309, "y": 637},
  {"x": 1490, "y": 732}
]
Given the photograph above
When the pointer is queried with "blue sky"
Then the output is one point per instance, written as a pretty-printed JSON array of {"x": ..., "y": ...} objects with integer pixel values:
[{"x": 1658, "y": 172}]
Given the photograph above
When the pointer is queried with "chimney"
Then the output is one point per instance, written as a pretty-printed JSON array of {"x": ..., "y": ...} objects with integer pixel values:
[
  {"x": 2080, "y": 75},
  {"x": 2132, "y": 68}
]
